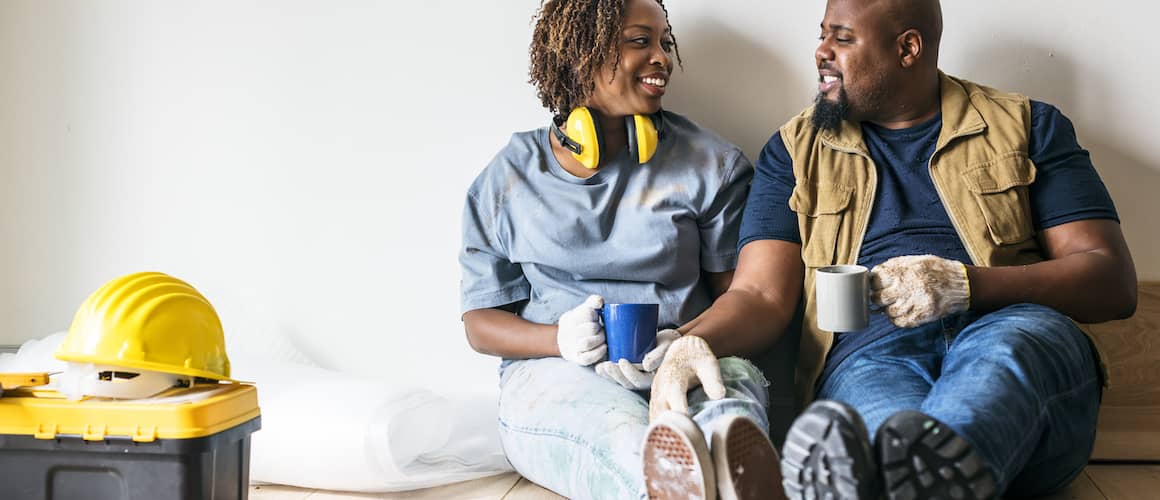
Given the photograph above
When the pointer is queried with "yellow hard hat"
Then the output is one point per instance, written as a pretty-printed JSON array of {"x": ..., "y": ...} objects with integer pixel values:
[{"x": 149, "y": 321}]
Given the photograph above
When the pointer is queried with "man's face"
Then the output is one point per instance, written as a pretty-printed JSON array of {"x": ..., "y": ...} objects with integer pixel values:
[
  {"x": 856, "y": 59},
  {"x": 639, "y": 80}
]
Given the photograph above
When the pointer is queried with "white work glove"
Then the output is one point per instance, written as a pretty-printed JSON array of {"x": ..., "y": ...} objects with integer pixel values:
[
  {"x": 579, "y": 334},
  {"x": 688, "y": 363},
  {"x": 631, "y": 377},
  {"x": 916, "y": 289}
]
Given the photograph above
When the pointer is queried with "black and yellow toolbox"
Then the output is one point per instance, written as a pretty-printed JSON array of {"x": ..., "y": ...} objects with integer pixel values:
[{"x": 185, "y": 443}]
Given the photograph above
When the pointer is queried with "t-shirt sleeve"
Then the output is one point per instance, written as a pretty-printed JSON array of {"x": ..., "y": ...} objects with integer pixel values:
[
  {"x": 767, "y": 213},
  {"x": 1067, "y": 187},
  {"x": 488, "y": 278},
  {"x": 720, "y": 223}
]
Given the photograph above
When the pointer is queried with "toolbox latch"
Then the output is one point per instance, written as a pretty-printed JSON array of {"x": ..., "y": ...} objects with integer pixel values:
[
  {"x": 145, "y": 434},
  {"x": 94, "y": 433},
  {"x": 45, "y": 431}
]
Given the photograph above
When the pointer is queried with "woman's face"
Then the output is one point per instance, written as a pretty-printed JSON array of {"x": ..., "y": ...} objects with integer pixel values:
[{"x": 640, "y": 77}]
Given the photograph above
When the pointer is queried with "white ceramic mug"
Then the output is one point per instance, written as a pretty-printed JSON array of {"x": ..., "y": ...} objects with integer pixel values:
[{"x": 843, "y": 298}]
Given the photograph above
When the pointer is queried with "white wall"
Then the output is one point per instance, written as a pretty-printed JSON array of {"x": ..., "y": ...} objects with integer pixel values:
[{"x": 303, "y": 162}]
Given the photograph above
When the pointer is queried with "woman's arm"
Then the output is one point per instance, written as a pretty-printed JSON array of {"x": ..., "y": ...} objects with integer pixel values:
[{"x": 498, "y": 332}]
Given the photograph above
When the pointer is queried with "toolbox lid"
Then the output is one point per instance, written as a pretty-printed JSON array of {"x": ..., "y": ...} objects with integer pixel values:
[{"x": 179, "y": 413}]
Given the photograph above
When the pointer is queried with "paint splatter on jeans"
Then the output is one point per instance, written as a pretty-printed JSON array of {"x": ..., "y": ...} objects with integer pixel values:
[{"x": 576, "y": 433}]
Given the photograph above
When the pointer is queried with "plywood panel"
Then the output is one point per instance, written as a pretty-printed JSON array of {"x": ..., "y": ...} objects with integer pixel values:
[
  {"x": 488, "y": 488},
  {"x": 278, "y": 492},
  {"x": 1081, "y": 489},
  {"x": 1129, "y": 427},
  {"x": 527, "y": 490},
  {"x": 1127, "y": 482}
]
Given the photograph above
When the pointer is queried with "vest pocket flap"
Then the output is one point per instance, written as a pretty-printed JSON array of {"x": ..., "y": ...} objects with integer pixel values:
[
  {"x": 1000, "y": 188},
  {"x": 813, "y": 201},
  {"x": 1001, "y": 174},
  {"x": 819, "y": 209}
]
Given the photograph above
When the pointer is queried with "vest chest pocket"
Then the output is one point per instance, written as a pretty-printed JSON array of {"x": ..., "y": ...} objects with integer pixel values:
[
  {"x": 1000, "y": 188},
  {"x": 820, "y": 212}
]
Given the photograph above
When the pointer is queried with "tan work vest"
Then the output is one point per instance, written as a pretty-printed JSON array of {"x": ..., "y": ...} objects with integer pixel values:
[{"x": 981, "y": 172}]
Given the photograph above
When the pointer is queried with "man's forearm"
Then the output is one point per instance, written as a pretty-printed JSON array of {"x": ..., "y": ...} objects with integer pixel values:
[
  {"x": 1090, "y": 286},
  {"x": 742, "y": 323}
]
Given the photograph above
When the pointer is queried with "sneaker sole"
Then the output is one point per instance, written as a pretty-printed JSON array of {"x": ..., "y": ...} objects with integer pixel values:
[
  {"x": 746, "y": 462},
  {"x": 827, "y": 455},
  {"x": 676, "y": 460},
  {"x": 923, "y": 458}
]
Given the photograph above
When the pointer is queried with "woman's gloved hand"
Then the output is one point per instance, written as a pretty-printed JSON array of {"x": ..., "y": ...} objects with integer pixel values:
[
  {"x": 579, "y": 334},
  {"x": 916, "y": 289},
  {"x": 631, "y": 377},
  {"x": 689, "y": 362}
]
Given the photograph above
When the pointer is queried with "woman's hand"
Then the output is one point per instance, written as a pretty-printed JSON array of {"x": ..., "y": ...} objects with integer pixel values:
[
  {"x": 628, "y": 375},
  {"x": 579, "y": 334}
]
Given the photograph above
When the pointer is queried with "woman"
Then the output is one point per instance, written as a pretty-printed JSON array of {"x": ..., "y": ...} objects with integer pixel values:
[{"x": 586, "y": 210}]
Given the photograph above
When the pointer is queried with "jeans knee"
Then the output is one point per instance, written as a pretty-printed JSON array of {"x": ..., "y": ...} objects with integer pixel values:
[
  {"x": 741, "y": 371},
  {"x": 1033, "y": 328}
]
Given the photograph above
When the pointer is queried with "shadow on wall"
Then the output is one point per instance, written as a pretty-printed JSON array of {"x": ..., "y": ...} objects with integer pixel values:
[
  {"x": 733, "y": 85},
  {"x": 1051, "y": 77},
  {"x": 1134, "y": 184}
]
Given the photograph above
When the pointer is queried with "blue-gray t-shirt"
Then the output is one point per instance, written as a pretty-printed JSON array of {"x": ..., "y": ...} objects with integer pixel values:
[
  {"x": 908, "y": 217},
  {"x": 630, "y": 233}
]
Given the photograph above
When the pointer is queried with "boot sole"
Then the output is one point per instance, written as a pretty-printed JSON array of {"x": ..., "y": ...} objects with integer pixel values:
[
  {"x": 923, "y": 458},
  {"x": 827, "y": 455}
]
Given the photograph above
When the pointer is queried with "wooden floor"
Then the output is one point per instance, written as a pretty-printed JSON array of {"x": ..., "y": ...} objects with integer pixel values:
[{"x": 1099, "y": 482}]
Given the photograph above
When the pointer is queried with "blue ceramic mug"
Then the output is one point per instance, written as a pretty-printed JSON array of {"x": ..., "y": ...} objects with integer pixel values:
[{"x": 630, "y": 330}]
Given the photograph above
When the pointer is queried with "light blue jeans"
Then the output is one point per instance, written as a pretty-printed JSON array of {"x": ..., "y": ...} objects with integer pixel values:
[
  {"x": 578, "y": 434},
  {"x": 1021, "y": 384}
]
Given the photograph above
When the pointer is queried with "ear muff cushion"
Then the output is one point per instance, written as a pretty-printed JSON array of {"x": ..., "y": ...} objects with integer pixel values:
[
  {"x": 645, "y": 136},
  {"x": 583, "y": 126}
]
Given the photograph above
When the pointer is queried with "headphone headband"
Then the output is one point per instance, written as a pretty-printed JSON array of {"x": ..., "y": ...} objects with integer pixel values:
[{"x": 566, "y": 141}]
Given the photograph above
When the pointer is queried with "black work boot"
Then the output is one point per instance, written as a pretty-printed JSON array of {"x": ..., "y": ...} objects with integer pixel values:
[
  {"x": 922, "y": 458},
  {"x": 827, "y": 455}
]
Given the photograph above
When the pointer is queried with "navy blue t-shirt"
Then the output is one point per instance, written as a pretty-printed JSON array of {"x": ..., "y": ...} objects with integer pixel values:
[{"x": 908, "y": 218}]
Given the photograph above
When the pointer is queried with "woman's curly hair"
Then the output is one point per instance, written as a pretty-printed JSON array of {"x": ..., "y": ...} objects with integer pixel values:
[{"x": 573, "y": 40}]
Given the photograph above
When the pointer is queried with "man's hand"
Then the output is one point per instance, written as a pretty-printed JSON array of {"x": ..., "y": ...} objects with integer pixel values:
[
  {"x": 579, "y": 334},
  {"x": 689, "y": 361},
  {"x": 637, "y": 379},
  {"x": 916, "y": 289}
]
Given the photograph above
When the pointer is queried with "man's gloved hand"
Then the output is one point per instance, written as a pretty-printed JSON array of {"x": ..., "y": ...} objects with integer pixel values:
[
  {"x": 629, "y": 376},
  {"x": 688, "y": 361},
  {"x": 579, "y": 334},
  {"x": 916, "y": 289}
]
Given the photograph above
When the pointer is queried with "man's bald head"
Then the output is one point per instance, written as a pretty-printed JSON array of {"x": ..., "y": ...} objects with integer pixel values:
[
  {"x": 877, "y": 60},
  {"x": 922, "y": 15}
]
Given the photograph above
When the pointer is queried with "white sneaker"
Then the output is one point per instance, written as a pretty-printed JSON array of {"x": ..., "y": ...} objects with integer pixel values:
[
  {"x": 676, "y": 460},
  {"x": 747, "y": 465}
]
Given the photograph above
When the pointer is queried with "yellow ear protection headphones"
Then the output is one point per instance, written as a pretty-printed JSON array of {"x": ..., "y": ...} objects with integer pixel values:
[{"x": 585, "y": 139}]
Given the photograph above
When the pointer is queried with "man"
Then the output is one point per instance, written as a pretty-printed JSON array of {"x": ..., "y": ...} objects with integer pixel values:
[{"x": 987, "y": 231}]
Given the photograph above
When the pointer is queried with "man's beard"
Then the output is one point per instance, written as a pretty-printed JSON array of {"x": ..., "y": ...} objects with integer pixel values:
[{"x": 828, "y": 115}]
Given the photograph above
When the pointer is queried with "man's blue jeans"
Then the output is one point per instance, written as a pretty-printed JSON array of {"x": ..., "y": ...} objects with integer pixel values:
[
  {"x": 1021, "y": 384},
  {"x": 576, "y": 433}
]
